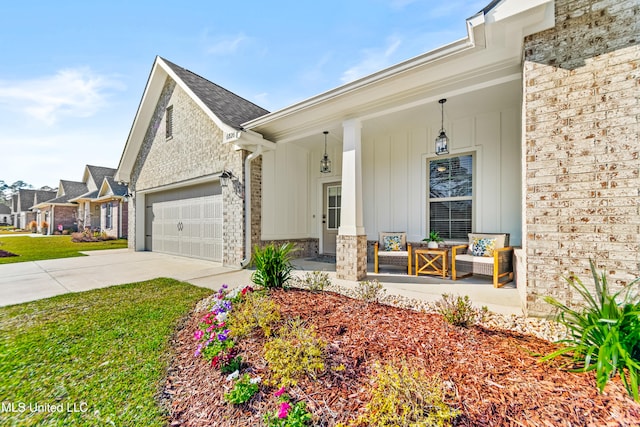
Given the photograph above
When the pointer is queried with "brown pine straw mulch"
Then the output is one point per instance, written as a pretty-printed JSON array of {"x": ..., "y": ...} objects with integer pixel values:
[{"x": 493, "y": 377}]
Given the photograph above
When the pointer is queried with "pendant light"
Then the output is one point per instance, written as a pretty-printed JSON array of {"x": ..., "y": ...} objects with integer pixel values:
[
  {"x": 325, "y": 163},
  {"x": 442, "y": 141}
]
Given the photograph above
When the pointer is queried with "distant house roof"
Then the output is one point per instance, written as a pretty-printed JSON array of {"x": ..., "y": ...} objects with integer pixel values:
[
  {"x": 66, "y": 191},
  {"x": 4, "y": 209},
  {"x": 229, "y": 107},
  {"x": 24, "y": 198},
  {"x": 99, "y": 173}
]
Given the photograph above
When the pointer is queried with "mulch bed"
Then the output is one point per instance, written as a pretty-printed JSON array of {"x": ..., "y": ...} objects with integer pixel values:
[
  {"x": 5, "y": 254},
  {"x": 493, "y": 377}
]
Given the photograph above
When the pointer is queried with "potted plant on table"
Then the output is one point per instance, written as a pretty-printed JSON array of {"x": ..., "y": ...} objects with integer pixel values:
[{"x": 433, "y": 240}]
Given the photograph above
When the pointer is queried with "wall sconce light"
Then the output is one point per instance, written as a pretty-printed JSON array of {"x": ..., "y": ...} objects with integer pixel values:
[
  {"x": 442, "y": 141},
  {"x": 128, "y": 196},
  {"x": 325, "y": 163},
  {"x": 225, "y": 176}
]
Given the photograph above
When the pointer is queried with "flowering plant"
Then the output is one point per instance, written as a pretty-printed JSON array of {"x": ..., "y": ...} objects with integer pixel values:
[
  {"x": 243, "y": 389},
  {"x": 215, "y": 345},
  {"x": 288, "y": 415}
]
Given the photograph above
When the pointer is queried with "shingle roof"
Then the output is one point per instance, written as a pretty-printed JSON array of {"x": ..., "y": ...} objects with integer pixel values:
[
  {"x": 70, "y": 190},
  {"x": 26, "y": 198},
  {"x": 227, "y": 106},
  {"x": 99, "y": 173},
  {"x": 118, "y": 190},
  {"x": 4, "y": 209}
]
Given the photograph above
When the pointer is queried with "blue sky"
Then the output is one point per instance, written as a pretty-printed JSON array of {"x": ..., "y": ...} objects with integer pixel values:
[{"x": 72, "y": 72}]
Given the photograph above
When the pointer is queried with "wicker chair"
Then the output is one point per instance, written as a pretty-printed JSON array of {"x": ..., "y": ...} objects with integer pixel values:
[
  {"x": 497, "y": 265},
  {"x": 399, "y": 254}
]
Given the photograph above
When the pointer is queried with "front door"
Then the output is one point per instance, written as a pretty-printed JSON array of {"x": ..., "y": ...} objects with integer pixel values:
[{"x": 332, "y": 196}]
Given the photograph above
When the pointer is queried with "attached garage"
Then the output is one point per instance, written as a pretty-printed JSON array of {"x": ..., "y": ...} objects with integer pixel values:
[{"x": 186, "y": 222}]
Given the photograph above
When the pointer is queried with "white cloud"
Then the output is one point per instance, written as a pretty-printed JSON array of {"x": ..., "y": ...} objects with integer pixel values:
[
  {"x": 373, "y": 60},
  {"x": 227, "y": 45},
  {"x": 68, "y": 93}
]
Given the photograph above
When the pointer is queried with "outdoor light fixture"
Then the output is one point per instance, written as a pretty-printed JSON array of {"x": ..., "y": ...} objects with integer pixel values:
[
  {"x": 225, "y": 176},
  {"x": 442, "y": 141},
  {"x": 325, "y": 163}
]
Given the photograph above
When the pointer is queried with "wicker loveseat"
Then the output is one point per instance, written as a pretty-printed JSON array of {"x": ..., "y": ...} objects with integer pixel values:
[
  {"x": 392, "y": 248},
  {"x": 486, "y": 254}
]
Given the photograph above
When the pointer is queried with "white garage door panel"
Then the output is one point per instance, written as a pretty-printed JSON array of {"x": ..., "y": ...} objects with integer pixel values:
[{"x": 189, "y": 227}]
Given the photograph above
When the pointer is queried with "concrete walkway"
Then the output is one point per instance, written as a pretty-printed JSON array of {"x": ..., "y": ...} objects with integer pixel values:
[{"x": 28, "y": 281}]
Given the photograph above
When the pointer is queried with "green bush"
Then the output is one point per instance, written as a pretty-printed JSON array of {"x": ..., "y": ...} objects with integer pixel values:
[
  {"x": 243, "y": 390},
  {"x": 403, "y": 396},
  {"x": 458, "y": 310},
  {"x": 273, "y": 265},
  {"x": 605, "y": 333},
  {"x": 315, "y": 281},
  {"x": 255, "y": 311},
  {"x": 370, "y": 290},
  {"x": 296, "y": 351}
]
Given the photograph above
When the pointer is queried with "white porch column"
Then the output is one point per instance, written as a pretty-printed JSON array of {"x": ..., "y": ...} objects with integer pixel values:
[{"x": 351, "y": 243}]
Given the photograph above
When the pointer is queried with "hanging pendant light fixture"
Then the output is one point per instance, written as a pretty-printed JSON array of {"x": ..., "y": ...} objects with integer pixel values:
[
  {"x": 442, "y": 141},
  {"x": 325, "y": 163}
]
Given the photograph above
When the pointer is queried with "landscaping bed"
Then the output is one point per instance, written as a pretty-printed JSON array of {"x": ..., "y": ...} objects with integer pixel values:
[{"x": 492, "y": 377}]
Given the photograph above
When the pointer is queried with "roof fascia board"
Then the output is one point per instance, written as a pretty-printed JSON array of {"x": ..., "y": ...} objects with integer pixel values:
[{"x": 386, "y": 74}]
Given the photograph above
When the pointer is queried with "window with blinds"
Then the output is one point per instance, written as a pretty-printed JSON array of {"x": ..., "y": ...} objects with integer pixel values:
[{"x": 450, "y": 198}]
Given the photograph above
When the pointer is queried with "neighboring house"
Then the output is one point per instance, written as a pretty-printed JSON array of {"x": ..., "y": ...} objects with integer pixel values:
[
  {"x": 542, "y": 116},
  {"x": 21, "y": 203},
  {"x": 114, "y": 215},
  {"x": 5, "y": 214},
  {"x": 60, "y": 213},
  {"x": 89, "y": 210}
]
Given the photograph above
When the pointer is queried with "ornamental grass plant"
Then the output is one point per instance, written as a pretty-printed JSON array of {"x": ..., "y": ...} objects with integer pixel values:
[
  {"x": 604, "y": 333},
  {"x": 273, "y": 265}
]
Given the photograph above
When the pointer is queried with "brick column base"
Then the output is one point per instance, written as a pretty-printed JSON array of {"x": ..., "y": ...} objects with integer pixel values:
[{"x": 351, "y": 257}]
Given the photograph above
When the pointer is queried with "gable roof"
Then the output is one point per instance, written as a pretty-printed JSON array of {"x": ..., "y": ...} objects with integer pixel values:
[
  {"x": 66, "y": 191},
  {"x": 110, "y": 189},
  {"x": 229, "y": 107},
  {"x": 24, "y": 199},
  {"x": 226, "y": 109},
  {"x": 97, "y": 174},
  {"x": 4, "y": 209}
]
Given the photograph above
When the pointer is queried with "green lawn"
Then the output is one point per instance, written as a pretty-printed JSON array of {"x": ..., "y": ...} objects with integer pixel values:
[
  {"x": 102, "y": 354},
  {"x": 50, "y": 247}
]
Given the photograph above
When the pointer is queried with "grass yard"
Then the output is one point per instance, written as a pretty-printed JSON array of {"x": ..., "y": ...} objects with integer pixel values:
[
  {"x": 98, "y": 356},
  {"x": 50, "y": 247}
]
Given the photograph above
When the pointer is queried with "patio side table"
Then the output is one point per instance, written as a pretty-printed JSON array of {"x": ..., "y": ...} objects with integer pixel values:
[{"x": 434, "y": 261}]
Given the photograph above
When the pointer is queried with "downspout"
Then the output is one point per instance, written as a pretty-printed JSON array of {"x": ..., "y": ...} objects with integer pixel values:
[{"x": 247, "y": 206}]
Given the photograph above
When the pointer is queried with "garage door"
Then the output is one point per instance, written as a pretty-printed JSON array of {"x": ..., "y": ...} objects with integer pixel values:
[{"x": 186, "y": 226}]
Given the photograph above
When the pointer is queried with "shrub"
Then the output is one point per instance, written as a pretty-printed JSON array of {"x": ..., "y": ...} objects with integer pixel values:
[
  {"x": 605, "y": 333},
  {"x": 315, "y": 281},
  {"x": 33, "y": 225},
  {"x": 370, "y": 291},
  {"x": 405, "y": 397},
  {"x": 255, "y": 311},
  {"x": 296, "y": 351},
  {"x": 458, "y": 310},
  {"x": 273, "y": 265}
]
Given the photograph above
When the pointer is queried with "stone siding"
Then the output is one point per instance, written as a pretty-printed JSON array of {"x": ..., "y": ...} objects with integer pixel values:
[
  {"x": 194, "y": 151},
  {"x": 351, "y": 257},
  {"x": 581, "y": 85}
]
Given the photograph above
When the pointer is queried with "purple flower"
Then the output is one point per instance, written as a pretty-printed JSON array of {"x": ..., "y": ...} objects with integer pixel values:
[
  {"x": 223, "y": 335},
  {"x": 198, "y": 351}
]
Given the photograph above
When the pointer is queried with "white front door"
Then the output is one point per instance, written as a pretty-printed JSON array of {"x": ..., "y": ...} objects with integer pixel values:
[{"x": 332, "y": 196}]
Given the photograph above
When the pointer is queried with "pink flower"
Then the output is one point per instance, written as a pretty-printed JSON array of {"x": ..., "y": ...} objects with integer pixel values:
[
  {"x": 279, "y": 392},
  {"x": 284, "y": 410},
  {"x": 198, "y": 335}
]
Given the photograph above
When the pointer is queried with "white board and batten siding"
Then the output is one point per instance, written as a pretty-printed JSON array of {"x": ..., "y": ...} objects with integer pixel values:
[{"x": 186, "y": 222}]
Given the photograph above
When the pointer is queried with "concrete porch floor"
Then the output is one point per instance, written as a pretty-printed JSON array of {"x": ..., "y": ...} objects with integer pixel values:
[{"x": 503, "y": 300}]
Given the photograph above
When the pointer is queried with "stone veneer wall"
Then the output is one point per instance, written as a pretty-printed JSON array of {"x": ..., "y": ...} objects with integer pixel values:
[
  {"x": 195, "y": 151},
  {"x": 581, "y": 89},
  {"x": 351, "y": 257}
]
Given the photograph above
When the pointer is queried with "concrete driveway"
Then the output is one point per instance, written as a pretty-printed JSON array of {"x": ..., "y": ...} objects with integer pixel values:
[{"x": 29, "y": 281}]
